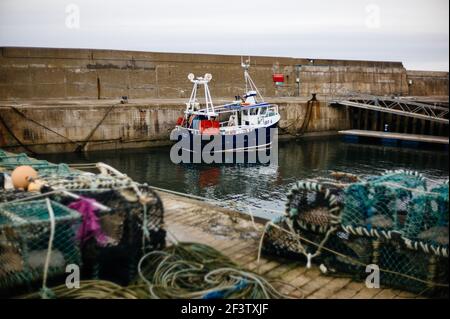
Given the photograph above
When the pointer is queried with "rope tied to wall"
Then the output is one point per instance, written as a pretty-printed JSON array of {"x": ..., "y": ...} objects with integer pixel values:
[{"x": 82, "y": 145}]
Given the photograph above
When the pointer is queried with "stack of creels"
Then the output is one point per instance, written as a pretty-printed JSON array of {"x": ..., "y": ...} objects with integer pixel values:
[
  {"x": 25, "y": 231},
  {"x": 134, "y": 226},
  {"x": 312, "y": 211},
  {"x": 395, "y": 221},
  {"x": 8, "y": 162},
  {"x": 380, "y": 203}
]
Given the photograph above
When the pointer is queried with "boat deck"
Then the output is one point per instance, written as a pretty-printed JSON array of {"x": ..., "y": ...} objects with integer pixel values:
[{"x": 237, "y": 237}]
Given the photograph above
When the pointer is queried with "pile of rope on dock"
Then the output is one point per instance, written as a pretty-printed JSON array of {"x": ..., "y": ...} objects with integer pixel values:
[
  {"x": 191, "y": 270},
  {"x": 110, "y": 226},
  {"x": 183, "y": 270},
  {"x": 395, "y": 223}
]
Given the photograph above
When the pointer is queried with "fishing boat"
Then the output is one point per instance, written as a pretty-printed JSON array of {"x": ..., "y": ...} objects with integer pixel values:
[{"x": 244, "y": 125}]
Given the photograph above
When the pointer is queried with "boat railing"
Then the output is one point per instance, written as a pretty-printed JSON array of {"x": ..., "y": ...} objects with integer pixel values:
[
  {"x": 232, "y": 107},
  {"x": 271, "y": 111},
  {"x": 240, "y": 128},
  {"x": 223, "y": 109}
]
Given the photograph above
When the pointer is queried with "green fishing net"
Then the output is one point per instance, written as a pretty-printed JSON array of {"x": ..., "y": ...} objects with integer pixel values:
[
  {"x": 25, "y": 230},
  {"x": 8, "y": 162},
  {"x": 133, "y": 225},
  {"x": 395, "y": 221}
]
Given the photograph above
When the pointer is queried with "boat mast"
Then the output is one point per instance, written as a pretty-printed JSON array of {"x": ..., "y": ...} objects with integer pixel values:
[{"x": 249, "y": 84}]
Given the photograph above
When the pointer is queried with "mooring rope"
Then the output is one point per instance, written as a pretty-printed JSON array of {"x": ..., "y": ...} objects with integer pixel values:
[
  {"x": 41, "y": 125},
  {"x": 189, "y": 270},
  {"x": 9, "y": 130},
  {"x": 88, "y": 138},
  {"x": 186, "y": 270},
  {"x": 307, "y": 118}
]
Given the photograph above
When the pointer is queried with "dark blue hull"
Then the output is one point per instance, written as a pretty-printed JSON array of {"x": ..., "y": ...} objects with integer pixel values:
[{"x": 244, "y": 147}]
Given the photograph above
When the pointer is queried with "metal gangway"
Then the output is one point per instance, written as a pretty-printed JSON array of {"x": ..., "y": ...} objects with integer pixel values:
[{"x": 395, "y": 105}]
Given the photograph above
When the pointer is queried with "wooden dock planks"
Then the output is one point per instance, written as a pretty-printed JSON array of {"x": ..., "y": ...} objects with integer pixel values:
[{"x": 196, "y": 221}]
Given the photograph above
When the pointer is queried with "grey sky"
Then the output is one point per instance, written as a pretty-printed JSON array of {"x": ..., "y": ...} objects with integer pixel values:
[{"x": 412, "y": 31}]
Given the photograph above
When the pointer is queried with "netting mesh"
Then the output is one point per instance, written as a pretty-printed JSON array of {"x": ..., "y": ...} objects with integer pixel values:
[
  {"x": 10, "y": 161},
  {"x": 118, "y": 260},
  {"x": 24, "y": 237},
  {"x": 429, "y": 223},
  {"x": 133, "y": 225},
  {"x": 394, "y": 221},
  {"x": 381, "y": 202}
]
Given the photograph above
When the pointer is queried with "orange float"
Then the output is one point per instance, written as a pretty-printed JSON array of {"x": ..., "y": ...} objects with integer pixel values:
[{"x": 22, "y": 176}]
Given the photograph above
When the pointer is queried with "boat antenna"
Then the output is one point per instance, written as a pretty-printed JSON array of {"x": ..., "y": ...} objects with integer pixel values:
[{"x": 249, "y": 84}]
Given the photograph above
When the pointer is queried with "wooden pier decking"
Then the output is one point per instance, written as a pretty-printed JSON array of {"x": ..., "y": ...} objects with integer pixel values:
[
  {"x": 237, "y": 237},
  {"x": 397, "y": 136}
]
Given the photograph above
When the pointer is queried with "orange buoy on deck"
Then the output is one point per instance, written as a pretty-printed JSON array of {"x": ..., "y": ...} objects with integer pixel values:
[{"x": 22, "y": 175}]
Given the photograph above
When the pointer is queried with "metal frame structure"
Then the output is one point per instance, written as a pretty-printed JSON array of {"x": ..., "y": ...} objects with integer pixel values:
[
  {"x": 192, "y": 104},
  {"x": 397, "y": 106}
]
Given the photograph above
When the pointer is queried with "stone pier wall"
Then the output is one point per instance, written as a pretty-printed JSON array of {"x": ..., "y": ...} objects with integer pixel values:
[
  {"x": 63, "y": 128},
  {"x": 427, "y": 83},
  {"x": 52, "y": 99},
  {"x": 43, "y": 73}
]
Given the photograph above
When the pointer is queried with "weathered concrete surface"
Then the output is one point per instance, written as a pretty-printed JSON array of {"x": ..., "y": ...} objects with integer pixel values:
[
  {"x": 237, "y": 237},
  {"x": 61, "y": 95},
  {"x": 38, "y": 73},
  {"x": 427, "y": 83},
  {"x": 61, "y": 126}
]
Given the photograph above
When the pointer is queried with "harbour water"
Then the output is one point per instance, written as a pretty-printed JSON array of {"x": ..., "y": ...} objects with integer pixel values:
[{"x": 262, "y": 188}]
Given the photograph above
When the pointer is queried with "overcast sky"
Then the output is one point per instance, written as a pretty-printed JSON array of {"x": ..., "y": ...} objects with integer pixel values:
[{"x": 412, "y": 31}]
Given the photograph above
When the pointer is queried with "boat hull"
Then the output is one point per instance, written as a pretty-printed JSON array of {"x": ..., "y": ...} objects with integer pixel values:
[{"x": 245, "y": 147}]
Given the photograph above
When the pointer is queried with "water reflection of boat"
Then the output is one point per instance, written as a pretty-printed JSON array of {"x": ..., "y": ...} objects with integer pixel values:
[
  {"x": 209, "y": 177},
  {"x": 240, "y": 126}
]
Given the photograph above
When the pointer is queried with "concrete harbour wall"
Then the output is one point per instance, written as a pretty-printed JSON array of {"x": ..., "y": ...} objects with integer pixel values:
[
  {"x": 49, "y": 129},
  {"x": 43, "y": 73},
  {"x": 53, "y": 100},
  {"x": 428, "y": 83}
]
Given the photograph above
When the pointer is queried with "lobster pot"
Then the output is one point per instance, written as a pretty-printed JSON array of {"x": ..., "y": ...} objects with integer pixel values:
[
  {"x": 312, "y": 209},
  {"x": 10, "y": 161},
  {"x": 403, "y": 264},
  {"x": 381, "y": 201},
  {"x": 392, "y": 221},
  {"x": 279, "y": 242},
  {"x": 427, "y": 219},
  {"x": 400, "y": 267},
  {"x": 313, "y": 206},
  {"x": 344, "y": 255},
  {"x": 132, "y": 229},
  {"x": 347, "y": 254},
  {"x": 24, "y": 241}
]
